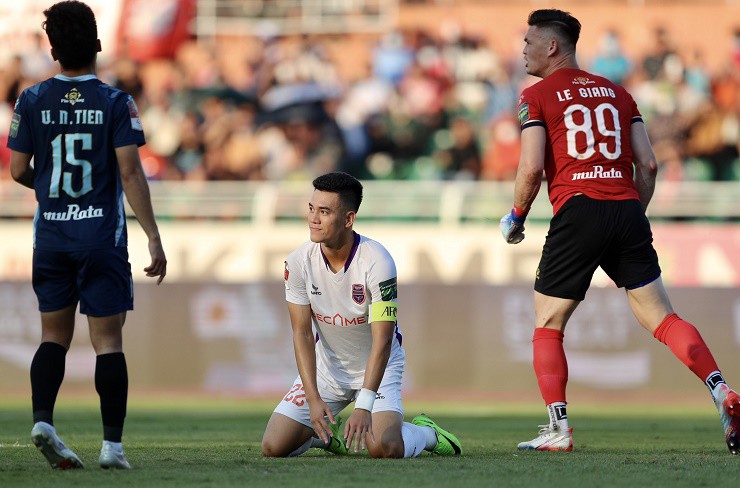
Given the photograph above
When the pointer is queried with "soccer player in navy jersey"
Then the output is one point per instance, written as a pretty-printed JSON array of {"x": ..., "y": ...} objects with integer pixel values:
[
  {"x": 588, "y": 136},
  {"x": 83, "y": 137}
]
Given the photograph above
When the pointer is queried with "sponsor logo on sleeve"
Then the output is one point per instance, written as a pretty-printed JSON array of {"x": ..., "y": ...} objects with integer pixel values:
[
  {"x": 388, "y": 290},
  {"x": 523, "y": 113},
  {"x": 134, "y": 114},
  {"x": 286, "y": 275},
  {"x": 358, "y": 293},
  {"x": 14, "y": 124}
]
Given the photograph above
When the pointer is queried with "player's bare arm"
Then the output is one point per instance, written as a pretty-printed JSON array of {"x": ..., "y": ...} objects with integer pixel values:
[
  {"x": 531, "y": 165},
  {"x": 304, "y": 345},
  {"x": 20, "y": 168},
  {"x": 646, "y": 166},
  {"x": 137, "y": 193},
  {"x": 528, "y": 182},
  {"x": 360, "y": 422}
]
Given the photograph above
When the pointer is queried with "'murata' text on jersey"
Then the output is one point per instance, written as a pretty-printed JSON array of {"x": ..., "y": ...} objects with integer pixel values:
[
  {"x": 75, "y": 213},
  {"x": 597, "y": 172},
  {"x": 74, "y": 117}
]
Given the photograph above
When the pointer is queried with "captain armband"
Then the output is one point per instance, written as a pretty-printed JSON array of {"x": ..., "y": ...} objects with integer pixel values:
[{"x": 383, "y": 312}]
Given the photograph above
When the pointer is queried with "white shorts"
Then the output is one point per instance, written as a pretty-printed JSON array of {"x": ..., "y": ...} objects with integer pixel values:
[{"x": 295, "y": 406}]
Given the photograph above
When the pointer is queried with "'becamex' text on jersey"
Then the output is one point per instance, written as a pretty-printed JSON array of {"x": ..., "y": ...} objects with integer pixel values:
[{"x": 72, "y": 126}]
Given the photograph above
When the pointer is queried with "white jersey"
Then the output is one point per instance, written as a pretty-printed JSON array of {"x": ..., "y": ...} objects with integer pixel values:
[{"x": 340, "y": 306}]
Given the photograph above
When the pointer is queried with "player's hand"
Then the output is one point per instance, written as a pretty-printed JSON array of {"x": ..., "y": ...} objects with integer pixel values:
[
  {"x": 360, "y": 423},
  {"x": 158, "y": 267},
  {"x": 512, "y": 228},
  {"x": 320, "y": 412}
]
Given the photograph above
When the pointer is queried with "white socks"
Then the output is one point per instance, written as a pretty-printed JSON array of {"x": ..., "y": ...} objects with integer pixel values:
[
  {"x": 416, "y": 439},
  {"x": 714, "y": 381},
  {"x": 115, "y": 446},
  {"x": 48, "y": 425},
  {"x": 558, "y": 416}
]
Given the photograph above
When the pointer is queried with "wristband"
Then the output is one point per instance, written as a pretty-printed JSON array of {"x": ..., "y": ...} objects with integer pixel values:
[
  {"x": 518, "y": 215},
  {"x": 365, "y": 400}
]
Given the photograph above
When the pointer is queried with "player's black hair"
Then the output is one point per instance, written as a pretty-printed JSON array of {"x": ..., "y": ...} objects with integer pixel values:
[
  {"x": 347, "y": 186},
  {"x": 564, "y": 24},
  {"x": 73, "y": 33}
]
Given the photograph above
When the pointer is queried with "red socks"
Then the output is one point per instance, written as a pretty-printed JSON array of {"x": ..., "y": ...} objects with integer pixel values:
[
  {"x": 681, "y": 337},
  {"x": 688, "y": 346},
  {"x": 550, "y": 364}
]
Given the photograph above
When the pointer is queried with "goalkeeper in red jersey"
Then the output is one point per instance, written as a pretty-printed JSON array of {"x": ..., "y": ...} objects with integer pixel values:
[{"x": 588, "y": 136}]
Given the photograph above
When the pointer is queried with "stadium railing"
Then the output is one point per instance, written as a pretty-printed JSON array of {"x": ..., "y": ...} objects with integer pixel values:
[
  {"x": 446, "y": 203},
  {"x": 236, "y": 17}
]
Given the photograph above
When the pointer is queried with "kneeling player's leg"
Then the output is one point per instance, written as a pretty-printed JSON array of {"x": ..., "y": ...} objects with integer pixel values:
[
  {"x": 290, "y": 432},
  {"x": 395, "y": 438},
  {"x": 387, "y": 431},
  {"x": 285, "y": 437}
]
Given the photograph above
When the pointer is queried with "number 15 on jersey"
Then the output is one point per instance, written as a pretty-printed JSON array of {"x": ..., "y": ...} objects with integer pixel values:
[{"x": 58, "y": 175}]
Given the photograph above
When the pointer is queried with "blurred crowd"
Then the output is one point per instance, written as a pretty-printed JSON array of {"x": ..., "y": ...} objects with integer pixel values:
[{"x": 427, "y": 105}]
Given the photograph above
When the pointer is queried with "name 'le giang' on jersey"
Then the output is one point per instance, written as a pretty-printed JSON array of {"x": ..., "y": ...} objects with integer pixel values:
[
  {"x": 72, "y": 127},
  {"x": 588, "y": 121},
  {"x": 341, "y": 303}
]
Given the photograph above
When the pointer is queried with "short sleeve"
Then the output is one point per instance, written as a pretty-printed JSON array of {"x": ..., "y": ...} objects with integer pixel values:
[
  {"x": 529, "y": 110},
  {"x": 127, "y": 128},
  {"x": 382, "y": 280},
  {"x": 20, "y": 136},
  {"x": 295, "y": 281}
]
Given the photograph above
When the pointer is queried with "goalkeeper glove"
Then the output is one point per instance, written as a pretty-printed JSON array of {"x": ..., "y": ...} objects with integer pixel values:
[{"x": 512, "y": 226}]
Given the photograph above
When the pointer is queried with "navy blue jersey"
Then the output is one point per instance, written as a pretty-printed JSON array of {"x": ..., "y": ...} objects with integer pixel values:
[{"x": 72, "y": 127}]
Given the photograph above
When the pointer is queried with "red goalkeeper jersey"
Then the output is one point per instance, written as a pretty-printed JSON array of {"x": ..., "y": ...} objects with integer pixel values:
[{"x": 587, "y": 119}]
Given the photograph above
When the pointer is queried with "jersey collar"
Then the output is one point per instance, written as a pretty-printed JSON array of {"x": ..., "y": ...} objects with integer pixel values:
[
  {"x": 76, "y": 78},
  {"x": 351, "y": 256}
]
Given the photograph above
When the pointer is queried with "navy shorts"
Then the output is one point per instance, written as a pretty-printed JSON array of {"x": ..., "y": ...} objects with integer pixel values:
[
  {"x": 588, "y": 233},
  {"x": 100, "y": 280}
]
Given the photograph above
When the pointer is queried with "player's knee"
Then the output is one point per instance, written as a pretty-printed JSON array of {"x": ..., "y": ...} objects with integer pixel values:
[
  {"x": 387, "y": 449},
  {"x": 271, "y": 449}
]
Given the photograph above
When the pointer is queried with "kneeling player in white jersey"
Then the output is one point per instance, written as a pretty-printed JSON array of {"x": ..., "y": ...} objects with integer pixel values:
[{"x": 344, "y": 285}]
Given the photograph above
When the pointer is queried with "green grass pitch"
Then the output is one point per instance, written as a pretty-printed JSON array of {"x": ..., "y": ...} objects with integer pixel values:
[{"x": 217, "y": 443}]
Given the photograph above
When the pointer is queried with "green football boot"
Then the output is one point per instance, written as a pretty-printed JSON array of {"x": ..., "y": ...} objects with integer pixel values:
[
  {"x": 336, "y": 443},
  {"x": 447, "y": 444}
]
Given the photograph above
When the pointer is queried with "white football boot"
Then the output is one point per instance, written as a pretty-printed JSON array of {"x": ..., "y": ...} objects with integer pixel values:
[
  {"x": 550, "y": 439},
  {"x": 44, "y": 436},
  {"x": 728, "y": 405},
  {"x": 110, "y": 457}
]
